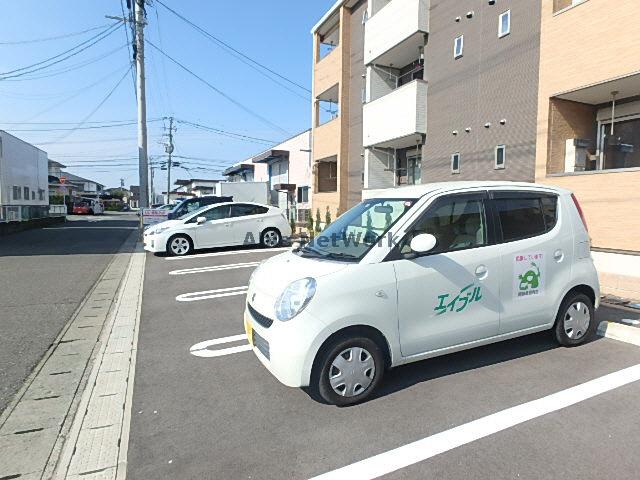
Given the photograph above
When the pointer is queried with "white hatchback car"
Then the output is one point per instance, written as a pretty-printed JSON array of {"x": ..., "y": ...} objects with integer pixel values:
[
  {"x": 219, "y": 225},
  {"x": 418, "y": 272}
]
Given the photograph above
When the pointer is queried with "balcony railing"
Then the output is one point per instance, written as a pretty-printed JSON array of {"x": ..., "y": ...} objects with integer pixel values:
[
  {"x": 394, "y": 35},
  {"x": 397, "y": 120}
]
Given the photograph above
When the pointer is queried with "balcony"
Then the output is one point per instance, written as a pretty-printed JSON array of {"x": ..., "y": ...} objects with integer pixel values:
[
  {"x": 396, "y": 33},
  {"x": 397, "y": 120}
]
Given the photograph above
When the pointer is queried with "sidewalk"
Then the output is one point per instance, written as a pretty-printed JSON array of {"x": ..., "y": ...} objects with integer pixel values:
[{"x": 619, "y": 274}]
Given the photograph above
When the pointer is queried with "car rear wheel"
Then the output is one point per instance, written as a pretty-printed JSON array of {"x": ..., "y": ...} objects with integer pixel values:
[
  {"x": 349, "y": 371},
  {"x": 270, "y": 238},
  {"x": 575, "y": 322},
  {"x": 179, "y": 245}
]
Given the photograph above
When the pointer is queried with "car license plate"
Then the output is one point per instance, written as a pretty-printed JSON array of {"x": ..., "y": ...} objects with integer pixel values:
[{"x": 249, "y": 330}]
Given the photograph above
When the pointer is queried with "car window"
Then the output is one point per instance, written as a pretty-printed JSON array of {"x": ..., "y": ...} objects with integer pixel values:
[
  {"x": 243, "y": 210},
  {"x": 217, "y": 213},
  {"x": 193, "y": 206},
  {"x": 524, "y": 216},
  {"x": 457, "y": 223}
]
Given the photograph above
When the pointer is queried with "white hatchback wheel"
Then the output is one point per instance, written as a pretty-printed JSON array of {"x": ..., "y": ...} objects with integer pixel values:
[{"x": 179, "y": 246}]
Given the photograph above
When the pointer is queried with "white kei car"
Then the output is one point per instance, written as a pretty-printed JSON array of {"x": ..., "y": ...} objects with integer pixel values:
[
  {"x": 418, "y": 272},
  {"x": 219, "y": 225}
]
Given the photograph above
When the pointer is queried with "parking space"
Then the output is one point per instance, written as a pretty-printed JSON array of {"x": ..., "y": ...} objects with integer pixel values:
[{"x": 204, "y": 406}]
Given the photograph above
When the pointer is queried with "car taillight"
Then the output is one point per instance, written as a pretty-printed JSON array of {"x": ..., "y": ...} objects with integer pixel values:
[{"x": 580, "y": 212}]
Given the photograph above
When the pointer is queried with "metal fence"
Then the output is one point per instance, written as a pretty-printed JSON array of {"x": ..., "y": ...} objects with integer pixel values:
[
  {"x": 10, "y": 214},
  {"x": 57, "y": 210},
  {"x": 23, "y": 213}
]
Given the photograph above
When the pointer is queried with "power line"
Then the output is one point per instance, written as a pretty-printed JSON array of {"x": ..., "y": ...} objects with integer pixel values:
[
  {"x": 229, "y": 47},
  {"x": 94, "y": 127},
  {"x": 69, "y": 98},
  {"x": 72, "y": 52},
  {"x": 70, "y": 68},
  {"x": 102, "y": 102},
  {"x": 220, "y": 92},
  {"x": 237, "y": 136},
  {"x": 57, "y": 37}
]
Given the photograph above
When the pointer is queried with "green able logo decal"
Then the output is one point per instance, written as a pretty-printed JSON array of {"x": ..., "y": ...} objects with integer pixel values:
[
  {"x": 529, "y": 274},
  {"x": 460, "y": 302},
  {"x": 530, "y": 279}
]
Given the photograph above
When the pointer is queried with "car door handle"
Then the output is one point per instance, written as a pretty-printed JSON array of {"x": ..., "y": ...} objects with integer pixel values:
[
  {"x": 558, "y": 255},
  {"x": 227, "y": 224},
  {"x": 482, "y": 272}
]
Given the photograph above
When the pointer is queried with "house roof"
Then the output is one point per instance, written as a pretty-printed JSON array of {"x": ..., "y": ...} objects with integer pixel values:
[
  {"x": 271, "y": 155},
  {"x": 70, "y": 177},
  {"x": 193, "y": 180},
  {"x": 53, "y": 163},
  {"x": 239, "y": 168}
]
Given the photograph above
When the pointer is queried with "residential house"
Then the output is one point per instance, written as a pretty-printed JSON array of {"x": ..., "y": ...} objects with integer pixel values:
[
  {"x": 247, "y": 171},
  {"x": 288, "y": 166}
]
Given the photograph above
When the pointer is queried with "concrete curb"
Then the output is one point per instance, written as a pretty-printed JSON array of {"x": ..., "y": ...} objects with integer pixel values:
[{"x": 620, "y": 332}]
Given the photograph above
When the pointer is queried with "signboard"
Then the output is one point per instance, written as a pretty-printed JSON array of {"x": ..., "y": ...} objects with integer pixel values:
[
  {"x": 151, "y": 216},
  {"x": 63, "y": 180}
]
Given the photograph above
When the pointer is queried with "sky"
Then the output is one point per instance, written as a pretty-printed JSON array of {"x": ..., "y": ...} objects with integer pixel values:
[{"x": 69, "y": 109}]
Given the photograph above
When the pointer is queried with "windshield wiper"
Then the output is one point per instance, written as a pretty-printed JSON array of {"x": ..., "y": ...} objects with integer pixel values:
[
  {"x": 309, "y": 250},
  {"x": 340, "y": 255}
]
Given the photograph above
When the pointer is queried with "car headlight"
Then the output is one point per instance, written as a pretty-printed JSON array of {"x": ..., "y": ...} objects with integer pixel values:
[
  {"x": 159, "y": 230},
  {"x": 294, "y": 298}
]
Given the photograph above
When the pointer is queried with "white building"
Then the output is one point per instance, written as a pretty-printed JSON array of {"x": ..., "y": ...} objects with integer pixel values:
[{"x": 24, "y": 180}]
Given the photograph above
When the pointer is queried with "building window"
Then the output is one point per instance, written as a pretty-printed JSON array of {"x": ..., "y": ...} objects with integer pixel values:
[
  {"x": 455, "y": 163},
  {"x": 303, "y": 194},
  {"x": 559, "y": 5},
  {"x": 26, "y": 193},
  {"x": 504, "y": 24},
  {"x": 501, "y": 152},
  {"x": 327, "y": 176},
  {"x": 33, "y": 195},
  {"x": 458, "y": 44},
  {"x": 17, "y": 193},
  {"x": 41, "y": 194}
]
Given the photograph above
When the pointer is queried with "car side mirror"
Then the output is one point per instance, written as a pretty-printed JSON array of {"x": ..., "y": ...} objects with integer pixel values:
[
  {"x": 201, "y": 220},
  {"x": 423, "y": 243}
]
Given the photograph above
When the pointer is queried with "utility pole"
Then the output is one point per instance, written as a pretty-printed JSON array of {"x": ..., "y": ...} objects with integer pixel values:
[
  {"x": 169, "y": 150},
  {"x": 143, "y": 164}
]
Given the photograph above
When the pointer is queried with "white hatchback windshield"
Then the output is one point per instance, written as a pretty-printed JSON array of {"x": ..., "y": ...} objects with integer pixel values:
[{"x": 353, "y": 234}]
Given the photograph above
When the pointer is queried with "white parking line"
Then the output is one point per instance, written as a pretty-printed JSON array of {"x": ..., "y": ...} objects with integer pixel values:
[
  {"x": 209, "y": 294},
  {"x": 201, "y": 349},
  {"x": 214, "y": 268},
  {"x": 429, "y": 447},
  {"x": 230, "y": 252}
]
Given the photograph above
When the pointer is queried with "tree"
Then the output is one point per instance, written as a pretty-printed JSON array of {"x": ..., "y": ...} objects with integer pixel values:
[
  {"x": 327, "y": 218},
  {"x": 318, "y": 230},
  {"x": 292, "y": 222},
  {"x": 310, "y": 225}
]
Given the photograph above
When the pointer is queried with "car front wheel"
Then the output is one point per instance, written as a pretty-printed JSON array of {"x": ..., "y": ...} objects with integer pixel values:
[
  {"x": 575, "y": 322},
  {"x": 179, "y": 245},
  {"x": 349, "y": 371}
]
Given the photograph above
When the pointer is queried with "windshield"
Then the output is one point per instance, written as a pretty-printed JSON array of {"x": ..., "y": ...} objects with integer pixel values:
[{"x": 352, "y": 235}]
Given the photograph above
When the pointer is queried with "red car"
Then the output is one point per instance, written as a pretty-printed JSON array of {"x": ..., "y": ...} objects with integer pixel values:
[{"x": 82, "y": 208}]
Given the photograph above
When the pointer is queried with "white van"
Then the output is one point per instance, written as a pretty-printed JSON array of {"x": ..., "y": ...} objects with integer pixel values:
[{"x": 422, "y": 271}]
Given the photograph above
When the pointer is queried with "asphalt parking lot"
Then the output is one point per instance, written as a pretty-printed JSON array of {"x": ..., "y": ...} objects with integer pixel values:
[{"x": 215, "y": 412}]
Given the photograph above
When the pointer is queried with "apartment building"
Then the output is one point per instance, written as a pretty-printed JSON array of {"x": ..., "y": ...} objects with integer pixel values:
[
  {"x": 338, "y": 88},
  {"x": 589, "y": 121},
  {"x": 24, "y": 191},
  {"x": 451, "y": 91}
]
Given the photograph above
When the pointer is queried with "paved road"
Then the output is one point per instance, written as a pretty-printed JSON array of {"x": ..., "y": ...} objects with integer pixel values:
[
  {"x": 44, "y": 275},
  {"x": 227, "y": 417}
]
